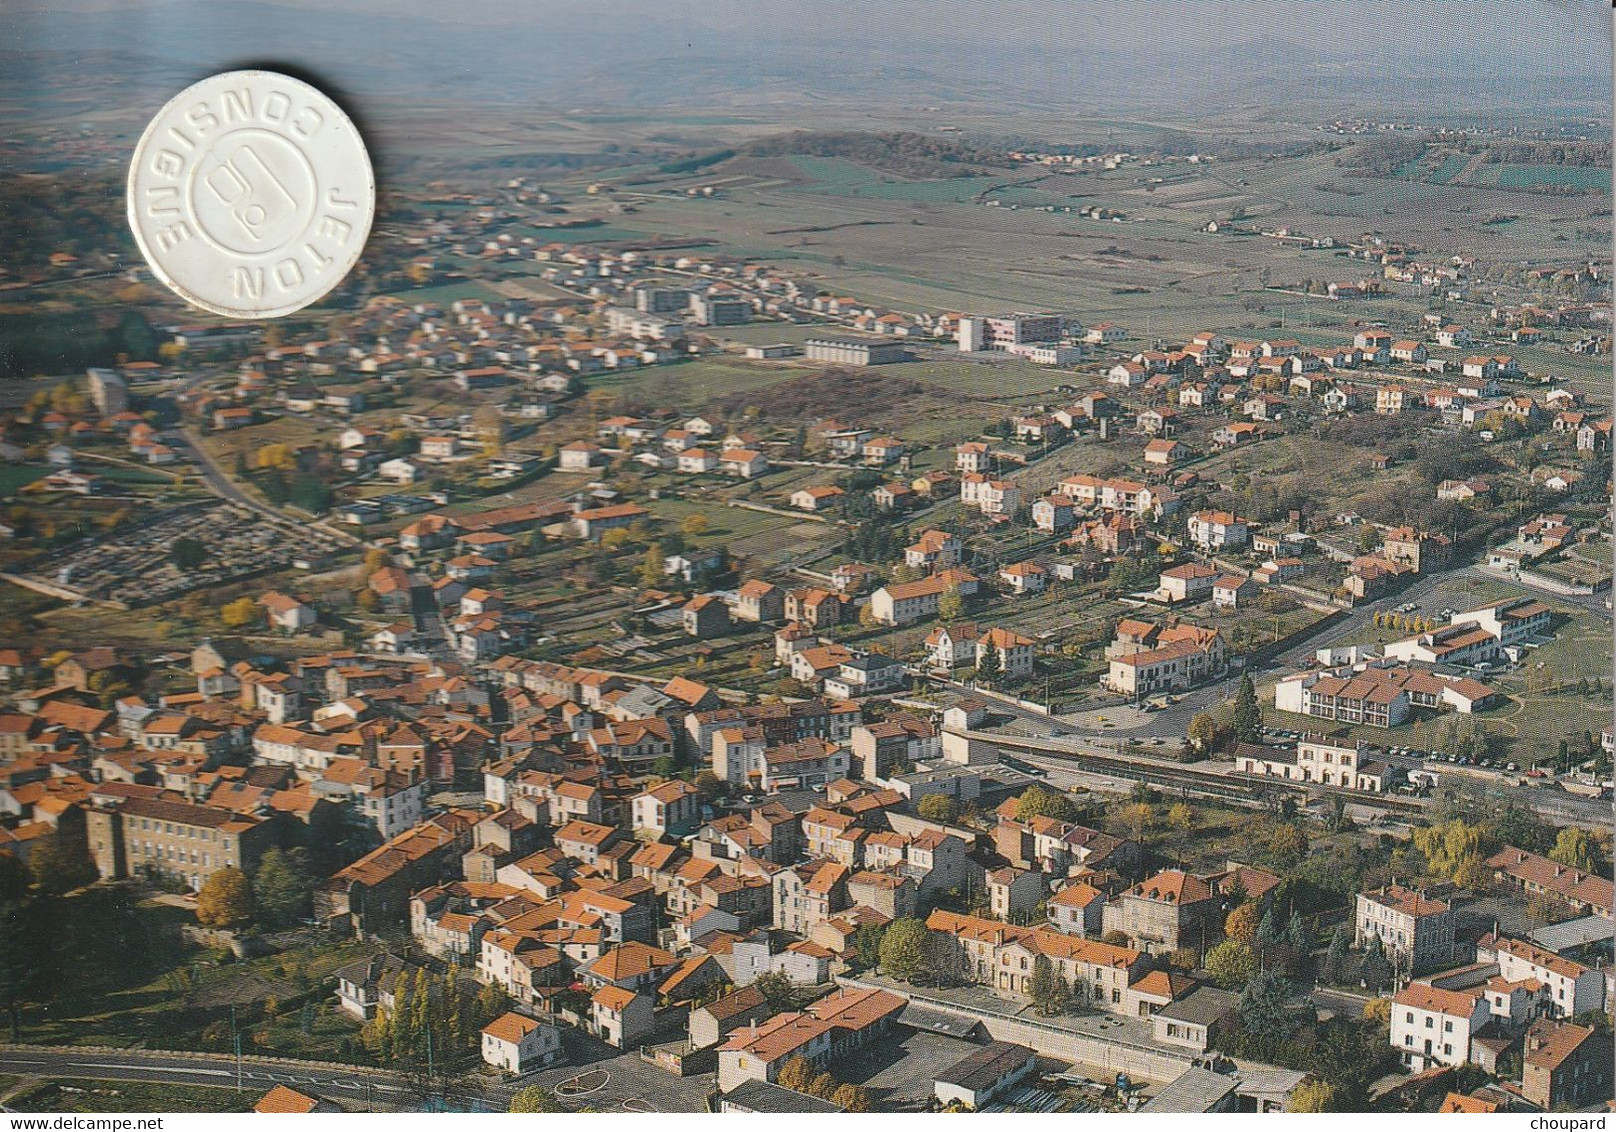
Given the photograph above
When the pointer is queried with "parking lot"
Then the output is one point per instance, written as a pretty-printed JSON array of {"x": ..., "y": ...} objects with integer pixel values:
[
  {"x": 901, "y": 1068},
  {"x": 632, "y": 1084}
]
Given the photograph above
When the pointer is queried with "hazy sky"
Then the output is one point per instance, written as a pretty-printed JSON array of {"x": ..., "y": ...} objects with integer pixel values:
[
  {"x": 1004, "y": 53},
  {"x": 1545, "y": 28}
]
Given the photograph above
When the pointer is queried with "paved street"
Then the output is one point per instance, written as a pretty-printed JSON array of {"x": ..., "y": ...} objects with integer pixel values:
[{"x": 381, "y": 1089}]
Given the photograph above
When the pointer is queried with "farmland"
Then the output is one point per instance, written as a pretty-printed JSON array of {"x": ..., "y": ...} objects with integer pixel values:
[{"x": 1540, "y": 176}]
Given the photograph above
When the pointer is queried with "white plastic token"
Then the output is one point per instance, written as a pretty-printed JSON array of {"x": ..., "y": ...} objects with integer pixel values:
[{"x": 251, "y": 194}]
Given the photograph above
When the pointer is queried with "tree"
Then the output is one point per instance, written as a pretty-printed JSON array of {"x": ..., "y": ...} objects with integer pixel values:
[
  {"x": 1048, "y": 992},
  {"x": 796, "y": 1074},
  {"x": 903, "y": 948},
  {"x": 187, "y": 553},
  {"x": 535, "y": 1098},
  {"x": 24, "y": 962},
  {"x": 1335, "y": 959},
  {"x": 1474, "y": 875},
  {"x": 1236, "y": 894},
  {"x": 1247, "y": 720},
  {"x": 989, "y": 665},
  {"x": 1448, "y": 845},
  {"x": 709, "y": 784},
  {"x": 1269, "y": 933},
  {"x": 276, "y": 456},
  {"x": 950, "y": 605},
  {"x": 851, "y": 1098},
  {"x": 1298, "y": 936},
  {"x": 1181, "y": 816},
  {"x": 1139, "y": 817},
  {"x": 283, "y": 886},
  {"x": 1375, "y": 970},
  {"x": 226, "y": 900},
  {"x": 779, "y": 991},
  {"x": 242, "y": 611},
  {"x": 1241, "y": 924},
  {"x": 938, "y": 808},
  {"x": 1207, "y": 732},
  {"x": 867, "y": 945},
  {"x": 1231, "y": 963},
  {"x": 1575, "y": 848},
  {"x": 651, "y": 567},
  {"x": 1288, "y": 843},
  {"x": 1037, "y": 801},
  {"x": 60, "y": 863},
  {"x": 695, "y": 525},
  {"x": 1378, "y": 1011},
  {"x": 1312, "y": 1095},
  {"x": 1264, "y": 1008}
]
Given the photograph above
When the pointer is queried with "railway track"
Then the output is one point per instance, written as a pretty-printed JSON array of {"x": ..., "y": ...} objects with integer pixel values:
[{"x": 1241, "y": 789}]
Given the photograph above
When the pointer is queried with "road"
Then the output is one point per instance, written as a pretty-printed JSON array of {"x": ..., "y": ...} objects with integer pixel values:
[
  {"x": 381, "y": 1088},
  {"x": 217, "y": 479}
]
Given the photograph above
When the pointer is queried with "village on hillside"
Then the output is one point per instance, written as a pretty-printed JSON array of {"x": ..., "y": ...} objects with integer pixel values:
[{"x": 592, "y": 665}]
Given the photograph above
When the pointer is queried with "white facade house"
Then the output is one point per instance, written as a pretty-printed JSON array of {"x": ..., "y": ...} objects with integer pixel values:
[{"x": 516, "y": 1043}]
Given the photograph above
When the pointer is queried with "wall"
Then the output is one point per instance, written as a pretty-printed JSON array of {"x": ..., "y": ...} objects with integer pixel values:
[{"x": 1158, "y": 1065}]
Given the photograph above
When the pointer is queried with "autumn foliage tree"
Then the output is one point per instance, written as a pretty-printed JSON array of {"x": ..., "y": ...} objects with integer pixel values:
[
  {"x": 1312, "y": 1095},
  {"x": 226, "y": 900},
  {"x": 903, "y": 948},
  {"x": 1241, "y": 924}
]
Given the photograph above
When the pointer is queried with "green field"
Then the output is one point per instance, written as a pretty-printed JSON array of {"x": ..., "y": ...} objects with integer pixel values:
[
  {"x": 837, "y": 176},
  {"x": 998, "y": 377},
  {"x": 449, "y": 292},
  {"x": 597, "y": 234},
  {"x": 727, "y": 524},
  {"x": 1450, "y": 168},
  {"x": 693, "y": 384},
  {"x": 121, "y": 474},
  {"x": 1582, "y": 178}
]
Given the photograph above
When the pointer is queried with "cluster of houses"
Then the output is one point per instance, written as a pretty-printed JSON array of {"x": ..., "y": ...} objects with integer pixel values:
[
  {"x": 1515, "y": 999},
  {"x": 1431, "y": 669}
]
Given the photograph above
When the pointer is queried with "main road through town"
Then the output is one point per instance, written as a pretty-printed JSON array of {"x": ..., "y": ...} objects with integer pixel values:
[{"x": 380, "y": 1088}]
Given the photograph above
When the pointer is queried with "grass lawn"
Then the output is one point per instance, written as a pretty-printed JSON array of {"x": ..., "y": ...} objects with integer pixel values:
[
  {"x": 449, "y": 292},
  {"x": 997, "y": 376},
  {"x": 77, "y": 1094},
  {"x": 725, "y": 524},
  {"x": 691, "y": 385}
]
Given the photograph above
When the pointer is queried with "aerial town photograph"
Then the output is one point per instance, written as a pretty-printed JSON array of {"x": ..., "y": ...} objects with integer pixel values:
[{"x": 897, "y": 556}]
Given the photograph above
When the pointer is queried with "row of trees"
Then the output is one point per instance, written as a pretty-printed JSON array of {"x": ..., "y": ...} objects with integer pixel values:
[
  {"x": 434, "y": 1020},
  {"x": 799, "y": 1075}
]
